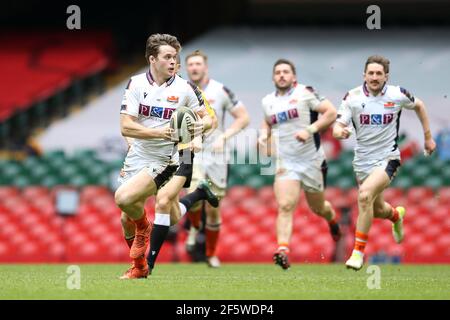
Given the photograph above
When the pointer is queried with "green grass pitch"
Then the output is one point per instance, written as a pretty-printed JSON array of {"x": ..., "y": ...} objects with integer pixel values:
[{"x": 232, "y": 281}]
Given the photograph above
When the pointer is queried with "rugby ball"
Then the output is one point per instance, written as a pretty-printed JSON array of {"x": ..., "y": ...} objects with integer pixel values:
[{"x": 181, "y": 122}]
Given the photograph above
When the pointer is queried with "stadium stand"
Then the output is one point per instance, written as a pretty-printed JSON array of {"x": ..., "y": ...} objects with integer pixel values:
[
  {"x": 42, "y": 71},
  {"x": 33, "y": 231}
]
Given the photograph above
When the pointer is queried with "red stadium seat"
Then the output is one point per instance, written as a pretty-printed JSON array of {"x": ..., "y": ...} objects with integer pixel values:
[
  {"x": 56, "y": 250},
  {"x": 41, "y": 58},
  {"x": 332, "y": 193},
  {"x": 444, "y": 195},
  {"x": 392, "y": 194},
  {"x": 32, "y": 192},
  {"x": 419, "y": 194},
  {"x": 7, "y": 192},
  {"x": 266, "y": 194},
  {"x": 427, "y": 249},
  {"x": 238, "y": 193},
  {"x": 249, "y": 204},
  {"x": 352, "y": 196},
  {"x": 92, "y": 192}
]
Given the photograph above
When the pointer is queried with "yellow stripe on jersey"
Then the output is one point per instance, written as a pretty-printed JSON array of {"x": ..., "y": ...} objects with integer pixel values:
[
  {"x": 211, "y": 113},
  {"x": 208, "y": 107}
]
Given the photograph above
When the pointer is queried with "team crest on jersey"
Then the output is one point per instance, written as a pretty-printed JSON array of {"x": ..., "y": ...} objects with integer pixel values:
[
  {"x": 173, "y": 99},
  {"x": 376, "y": 119}
]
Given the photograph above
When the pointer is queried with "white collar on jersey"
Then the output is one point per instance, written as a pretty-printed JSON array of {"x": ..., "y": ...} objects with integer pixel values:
[
  {"x": 289, "y": 91},
  {"x": 367, "y": 92},
  {"x": 151, "y": 81}
]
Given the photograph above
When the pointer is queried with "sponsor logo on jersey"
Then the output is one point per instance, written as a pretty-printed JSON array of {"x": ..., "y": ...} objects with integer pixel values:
[
  {"x": 144, "y": 110},
  {"x": 293, "y": 113},
  {"x": 293, "y": 101},
  {"x": 389, "y": 105},
  {"x": 376, "y": 119},
  {"x": 156, "y": 112},
  {"x": 173, "y": 99},
  {"x": 284, "y": 116}
]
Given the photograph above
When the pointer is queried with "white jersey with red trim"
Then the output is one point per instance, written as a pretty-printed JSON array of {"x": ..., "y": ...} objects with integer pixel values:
[
  {"x": 153, "y": 106},
  {"x": 376, "y": 120},
  {"x": 287, "y": 115},
  {"x": 222, "y": 100}
]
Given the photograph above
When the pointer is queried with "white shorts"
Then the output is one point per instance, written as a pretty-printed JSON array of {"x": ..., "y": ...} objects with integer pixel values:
[
  {"x": 312, "y": 175},
  {"x": 363, "y": 170},
  {"x": 159, "y": 169}
]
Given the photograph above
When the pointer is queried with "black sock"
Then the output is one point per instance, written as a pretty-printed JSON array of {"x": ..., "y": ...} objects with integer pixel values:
[
  {"x": 159, "y": 234},
  {"x": 191, "y": 198}
]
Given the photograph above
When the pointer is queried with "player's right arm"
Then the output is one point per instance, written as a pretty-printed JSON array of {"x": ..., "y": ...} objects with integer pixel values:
[
  {"x": 341, "y": 129},
  {"x": 264, "y": 138},
  {"x": 129, "y": 113},
  {"x": 265, "y": 132},
  {"x": 410, "y": 102},
  {"x": 131, "y": 129}
]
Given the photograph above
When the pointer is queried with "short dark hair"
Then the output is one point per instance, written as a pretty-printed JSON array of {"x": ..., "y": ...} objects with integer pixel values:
[
  {"x": 379, "y": 60},
  {"x": 157, "y": 40},
  {"x": 196, "y": 53},
  {"x": 284, "y": 61}
]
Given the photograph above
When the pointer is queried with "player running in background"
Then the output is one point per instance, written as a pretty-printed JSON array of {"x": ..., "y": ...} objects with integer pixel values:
[
  {"x": 167, "y": 197},
  {"x": 148, "y": 103},
  {"x": 211, "y": 164},
  {"x": 374, "y": 110},
  {"x": 292, "y": 121}
]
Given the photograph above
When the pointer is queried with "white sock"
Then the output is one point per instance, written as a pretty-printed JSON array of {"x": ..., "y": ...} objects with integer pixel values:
[
  {"x": 183, "y": 209},
  {"x": 162, "y": 219}
]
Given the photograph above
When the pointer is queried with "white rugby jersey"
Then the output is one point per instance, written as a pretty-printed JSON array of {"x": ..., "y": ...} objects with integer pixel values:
[
  {"x": 222, "y": 100},
  {"x": 376, "y": 120},
  {"x": 153, "y": 106},
  {"x": 287, "y": 115}
]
